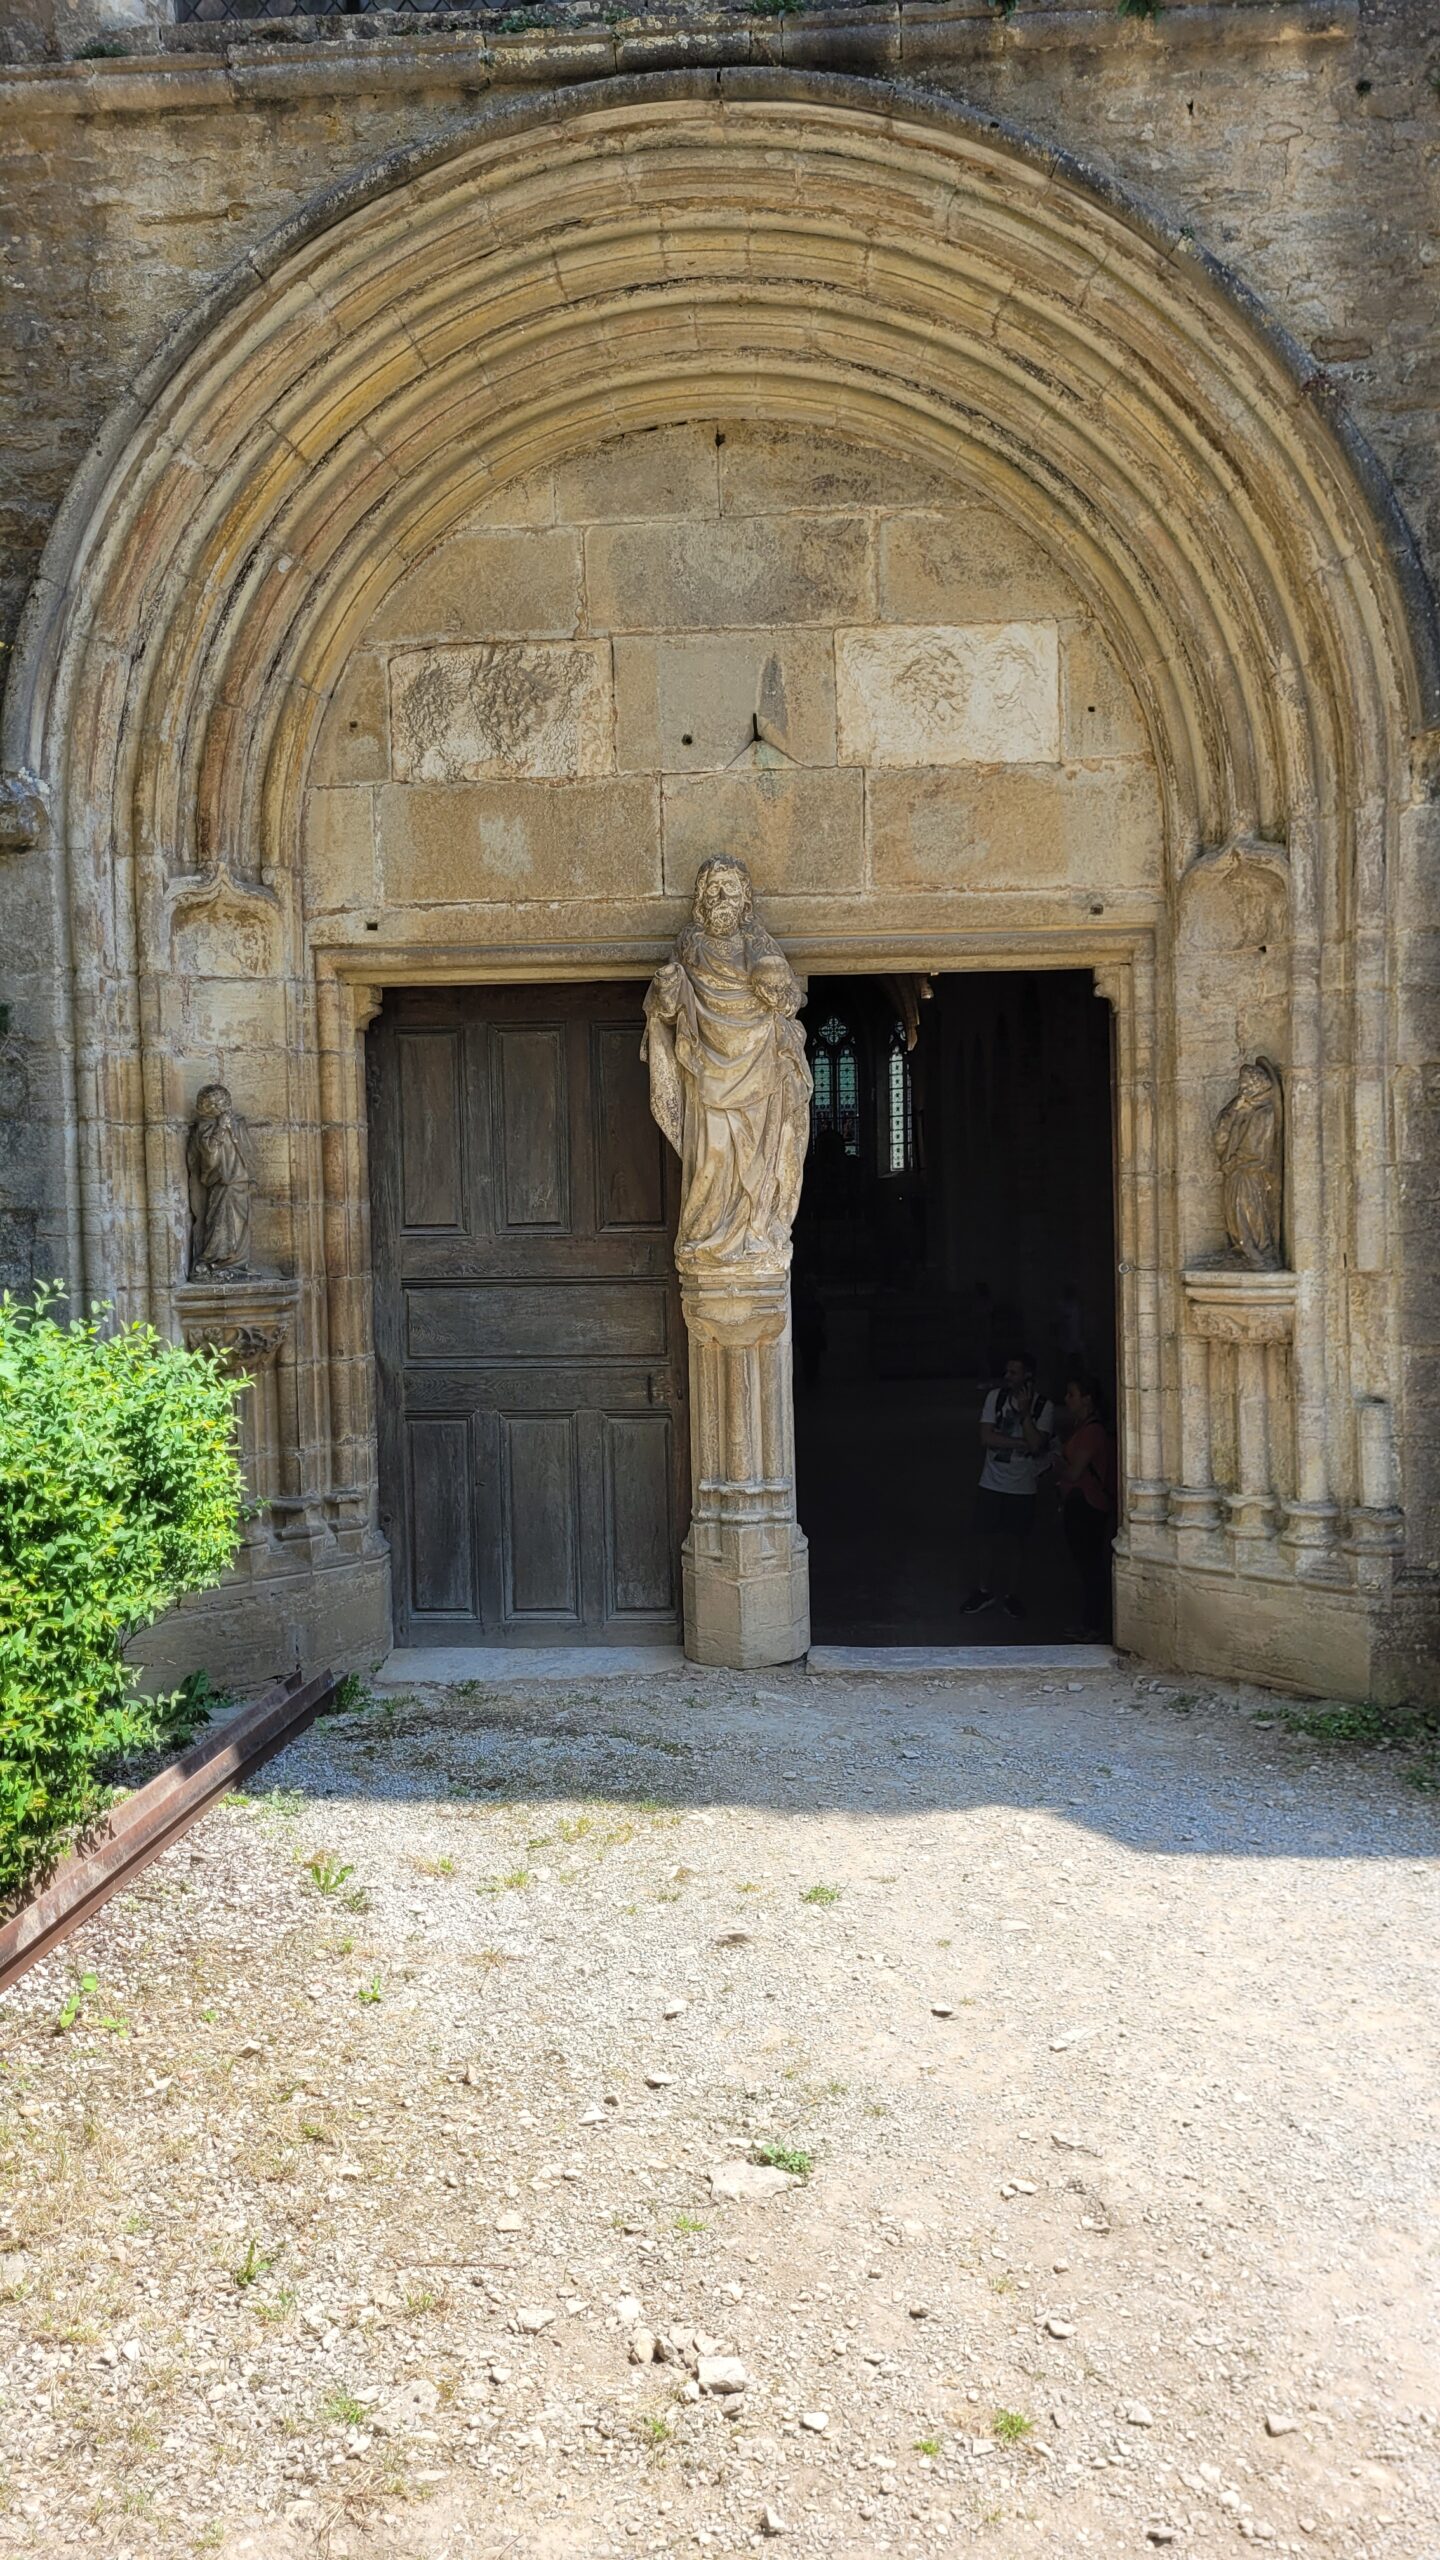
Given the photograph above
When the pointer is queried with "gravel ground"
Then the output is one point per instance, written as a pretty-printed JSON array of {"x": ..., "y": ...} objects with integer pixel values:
[{"x": 362, "y": 2173}]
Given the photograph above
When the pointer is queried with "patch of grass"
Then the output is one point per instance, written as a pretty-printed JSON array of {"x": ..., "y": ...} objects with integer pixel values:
[
  {"x": 518, "y": 1879},
  {"x": 433, "y": 1866},
  {"x": 326, "y": 1873},
  {"x": 353, "y": 1695},
  {"x": 342, "y": 2409},
  {"x": 824, "y": 1894},
  {"x": 927, "y": 2444},
  {"x": 686, "y": 2224},
  {"x": 1409, "y": 1728},
  {"x": 278, "y": 2308},
  {"x": 423, "y": 2298},
  {"x": 1007, "y": 2426},
  {"x": 656, "y": 2429},
  {"x": 255, "y": 2264},
  {"x": 370, "y": 1992},
  {"x": 784, "y": 2155}
]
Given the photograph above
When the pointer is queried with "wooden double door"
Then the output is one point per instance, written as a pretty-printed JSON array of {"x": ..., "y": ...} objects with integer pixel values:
[{"x": 531, "y": 1350}]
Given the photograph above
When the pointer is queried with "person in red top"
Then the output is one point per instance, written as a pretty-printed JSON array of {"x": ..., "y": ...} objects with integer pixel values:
[{"x": 1085, "y": 1475}]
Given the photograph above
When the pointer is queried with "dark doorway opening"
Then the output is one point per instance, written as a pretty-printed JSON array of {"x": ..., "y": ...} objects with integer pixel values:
[{"x": 958, "y": 1205}]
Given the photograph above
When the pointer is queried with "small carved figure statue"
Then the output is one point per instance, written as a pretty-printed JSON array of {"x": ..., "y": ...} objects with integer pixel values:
[
  {"x": 1248, "y": 1141},
  {"x": 728, "y": 1080},
  {"x": 217, "y": 1156}
]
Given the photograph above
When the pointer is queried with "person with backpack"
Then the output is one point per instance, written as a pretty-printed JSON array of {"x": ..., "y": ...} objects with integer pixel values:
[
  {"x": 1015, "y": 1428},
  {"x": 1085, "y": 1476}
]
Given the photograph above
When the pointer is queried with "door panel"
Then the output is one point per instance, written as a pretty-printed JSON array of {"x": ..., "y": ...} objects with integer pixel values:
[
  {"x": 629, "y": 1148},
  {"x": 639, "y": 1469},
  {"x": 430, "y": 1155},
  {"x": 531, "y": 1351},
  {"x": 442, "y": 1527},
  {"x": 542, "y": 1320},
  {"x": 540, "y": 1516},
  {"x": 530, "y": 1086}
]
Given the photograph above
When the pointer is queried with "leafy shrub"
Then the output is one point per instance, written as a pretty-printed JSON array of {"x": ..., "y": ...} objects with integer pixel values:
[{"x": 120, "y": 1491}]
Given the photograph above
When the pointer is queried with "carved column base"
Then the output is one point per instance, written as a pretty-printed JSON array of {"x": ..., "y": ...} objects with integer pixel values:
[
  {"x": 1197, "y": 1518},
  {"x": 1251, "y": 1515},
  {"x": 1310, "y": 1530},
  {"x": 747, "y": 1594}
]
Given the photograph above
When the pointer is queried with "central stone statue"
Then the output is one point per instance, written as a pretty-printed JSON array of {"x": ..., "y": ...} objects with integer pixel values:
[
  {"x": 730, "y": 1088},
  {"x": 728, "y": 1080}
]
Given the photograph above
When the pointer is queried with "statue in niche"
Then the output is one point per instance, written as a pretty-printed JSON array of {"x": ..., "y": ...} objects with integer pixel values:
[
  {"x": 217, "y": 1157},
  {"x": 728, "y": 1080},
  {"x": 1248, "y": 1141}
]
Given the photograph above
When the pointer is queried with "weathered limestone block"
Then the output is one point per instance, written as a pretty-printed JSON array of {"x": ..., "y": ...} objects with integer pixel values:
[
  {"x": 949, "y": 695},
  {"x": 756, "y": 569},
  {"x": 770, "y": 470},
  {"x": 1017, "y": 826},
  {"x": 800, "y": 832},
  {"x": 707, "y": 700},
  {"x": 497, "y": 585},
  {"x": 967, "y": 564},
  {"x": 528, "y": 502},
  {"x": 668, "y": 471},
  {"x": 339, "y": 869},
  {"x": 537, "y": 710},
  {"x": 449, "y": 843},
  {"x": 353, "y": 745},
  {"x": 1099, "y": 713}
]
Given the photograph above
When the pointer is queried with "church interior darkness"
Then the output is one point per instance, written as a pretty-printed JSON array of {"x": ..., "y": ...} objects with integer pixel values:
[{"x": 958, "y": 1205}]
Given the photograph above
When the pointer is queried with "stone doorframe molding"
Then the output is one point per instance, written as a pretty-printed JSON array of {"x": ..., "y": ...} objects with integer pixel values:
[{"x": 887, "y": 265}]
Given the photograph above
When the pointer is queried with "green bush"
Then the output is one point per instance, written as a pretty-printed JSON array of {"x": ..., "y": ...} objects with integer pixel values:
[{"x": 120, "y": 1490}]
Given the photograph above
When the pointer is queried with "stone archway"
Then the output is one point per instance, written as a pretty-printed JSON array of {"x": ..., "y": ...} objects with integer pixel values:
[{"x": 839, "y": 257}]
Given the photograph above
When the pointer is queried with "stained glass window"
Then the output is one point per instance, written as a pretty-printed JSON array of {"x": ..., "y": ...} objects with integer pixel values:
[
  {"x": 835, "y": 1066},
  {"x": 901, "y": 1104}
]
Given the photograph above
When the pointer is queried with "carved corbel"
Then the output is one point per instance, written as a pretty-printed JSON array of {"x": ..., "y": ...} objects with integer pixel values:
[
  {"x": 24, "y": 812},
  {"x": 217, "y": 886},
  {"x": 1238, "y": 853}
]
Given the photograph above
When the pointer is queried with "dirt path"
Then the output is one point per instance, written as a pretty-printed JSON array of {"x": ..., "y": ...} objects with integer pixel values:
[{"x": 1098, "y": 2022}]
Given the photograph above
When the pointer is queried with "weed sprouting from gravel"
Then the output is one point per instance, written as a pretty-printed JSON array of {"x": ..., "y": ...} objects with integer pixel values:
[
  {"x": 255, "y": 2264},
  {"x": 784, "y": 2155},
  {"x": 342, "y": 2409},
  {"x": 1009, "y": 2427},
  {"x": 824, "y": 1894},
  {"x": 326, "y": 1873}
]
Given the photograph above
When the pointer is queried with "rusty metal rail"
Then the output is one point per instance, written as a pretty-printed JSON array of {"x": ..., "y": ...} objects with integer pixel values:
[{"x": 141, "y": 1825}]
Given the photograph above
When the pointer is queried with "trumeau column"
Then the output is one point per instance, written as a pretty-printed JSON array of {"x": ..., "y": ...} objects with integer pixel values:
[{"x": 730, "y": 1088}]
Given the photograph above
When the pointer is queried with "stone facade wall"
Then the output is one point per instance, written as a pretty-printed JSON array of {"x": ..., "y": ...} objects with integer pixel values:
[{"x": 864, "y": 670}]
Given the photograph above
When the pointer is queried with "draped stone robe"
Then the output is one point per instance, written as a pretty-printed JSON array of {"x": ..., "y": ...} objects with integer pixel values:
[{"x": 731, "y": 1089}]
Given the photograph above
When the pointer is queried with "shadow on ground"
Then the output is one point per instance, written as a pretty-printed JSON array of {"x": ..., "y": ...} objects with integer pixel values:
[{"x": 1163, "y": 1769}]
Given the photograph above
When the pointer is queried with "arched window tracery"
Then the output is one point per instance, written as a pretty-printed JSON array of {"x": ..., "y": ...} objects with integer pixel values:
[{"x": 835, "y": 1065}]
